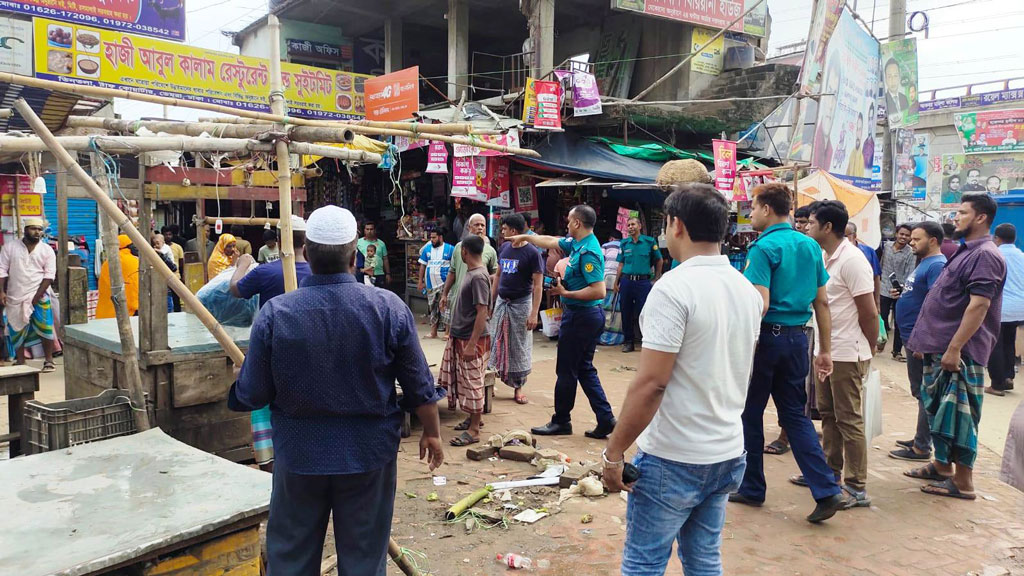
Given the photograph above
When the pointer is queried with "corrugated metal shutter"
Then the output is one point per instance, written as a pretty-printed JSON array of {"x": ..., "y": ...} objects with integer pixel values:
[{"x": 82, "y": 221}]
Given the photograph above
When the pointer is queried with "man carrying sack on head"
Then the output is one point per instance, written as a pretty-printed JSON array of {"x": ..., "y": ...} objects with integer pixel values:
[{"x": 27, "y": 268}]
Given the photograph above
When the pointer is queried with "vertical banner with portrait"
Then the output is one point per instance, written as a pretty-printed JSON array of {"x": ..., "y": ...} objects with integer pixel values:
[
  {"x": 899, "y": 82},
  {"x": 844, "y": 136},
  {"x": 996, "y": 174}
]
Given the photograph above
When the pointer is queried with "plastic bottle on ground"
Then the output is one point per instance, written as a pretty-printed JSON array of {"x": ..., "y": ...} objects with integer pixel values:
[{"x": 516, "y": 561}]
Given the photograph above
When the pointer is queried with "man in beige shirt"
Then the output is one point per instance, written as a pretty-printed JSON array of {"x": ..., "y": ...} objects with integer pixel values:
[{"x": 851, "y": 302}]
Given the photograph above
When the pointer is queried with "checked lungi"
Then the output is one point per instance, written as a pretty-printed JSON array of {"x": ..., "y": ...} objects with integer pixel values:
[
  {"x": 512, "y": 346},
  {"x": 462, "y": 377},
  {"x": 262, "y": 435},
  {"x": 39, "y": 327},
  {"x": 437, "y": 318},
  {"x": 953, "y": 401}
]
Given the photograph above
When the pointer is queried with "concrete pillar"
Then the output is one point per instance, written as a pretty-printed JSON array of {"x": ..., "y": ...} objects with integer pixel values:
[
  {"x": 458, "y": 48},
  {"x": 543, "y": 32},
  {"x": 392, "y": 44}
]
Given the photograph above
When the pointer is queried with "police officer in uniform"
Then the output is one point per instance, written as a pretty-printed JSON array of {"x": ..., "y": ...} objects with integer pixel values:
[
  {"x": 639, "y": 254},
  {"x": 582, "y": 291}
]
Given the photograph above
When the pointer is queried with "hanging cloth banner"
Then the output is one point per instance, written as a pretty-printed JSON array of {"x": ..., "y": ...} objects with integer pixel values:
[
  {"x": 549, "y": 112},
  {"x": 437, "y": 158},
  {"x": 586, "y": 100},
  {"x": 725, "y": 166},
  {"x": 464, "y": 180},
  {"x": 500, "y": 181}
]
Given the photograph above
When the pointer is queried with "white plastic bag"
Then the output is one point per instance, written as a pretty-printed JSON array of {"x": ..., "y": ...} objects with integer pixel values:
[
  {"x": 550, "y": 321},
  {"x": 871, "y": 404},
  {"x": 217, "y": 298}
]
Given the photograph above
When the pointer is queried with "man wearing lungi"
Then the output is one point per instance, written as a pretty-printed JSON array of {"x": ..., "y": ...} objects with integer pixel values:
[
  {"x": 465, "y": 356},
  {"x": 27, "y": 268},
  {"x": 955, "y": 333},
  {"x": 435, "y": 263},
  {"x": 520, "y": 283}
]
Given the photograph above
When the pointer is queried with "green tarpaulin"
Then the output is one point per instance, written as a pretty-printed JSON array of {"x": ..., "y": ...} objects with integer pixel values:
[{"x": 659, "y": 152}]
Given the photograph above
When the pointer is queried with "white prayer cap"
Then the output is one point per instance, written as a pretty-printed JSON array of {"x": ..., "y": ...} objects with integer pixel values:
[
  {"x": 331, "y": 225},
  {"x": 298, "y": 224},
  {"x": 26, "y": 222}
]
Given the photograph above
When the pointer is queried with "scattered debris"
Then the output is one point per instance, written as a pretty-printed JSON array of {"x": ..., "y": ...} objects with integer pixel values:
[
  {"x": 529, "y": 516},
  {"x": 518, "y": 452},
  {"x": 410, "y": 495},
  {"x": 466, "y": 503},
  {"x": 440, "y": 481},
  {"x": 624, "y": 368},
  {"x": 486, "y": 516},
  {"x": 479, "y": 452},
  {"x": 524, "y": 483},
  {"x": 432, "y": 497},
  {"x": 506, "y": 496},
  {"x": 586, "y": 519},
  {"x": 591, "y": 486}
]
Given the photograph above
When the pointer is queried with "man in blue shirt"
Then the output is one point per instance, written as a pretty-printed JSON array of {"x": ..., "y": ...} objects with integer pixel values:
[
  {"x": 1003, "y": 357},
  {"x": 267, "y": 280},
  {"x": 326, "y": 358},
  {"x": 582, "y": 291},
  {"x": 639, "y": 254},
  {"x": 872, "y": 256},
  {"x": 926, "y": 242},
  {"x": 788, "y": 270},
  {"x": 435, "y": 262}
]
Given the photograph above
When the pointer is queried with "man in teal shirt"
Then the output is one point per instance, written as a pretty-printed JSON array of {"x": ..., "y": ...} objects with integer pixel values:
[
  {"x": 382, "y": 272},
  {"x": 788, "y": 269},
  {"x": 638, "y": 255},
  {"x": 582, "y": 291}
]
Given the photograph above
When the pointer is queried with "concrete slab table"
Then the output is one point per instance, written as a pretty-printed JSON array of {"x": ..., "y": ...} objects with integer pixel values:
[{"x": 133, "y": 501}]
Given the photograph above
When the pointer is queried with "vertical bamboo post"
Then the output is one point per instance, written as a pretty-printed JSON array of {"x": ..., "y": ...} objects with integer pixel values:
[
  {"x": 63, "y": 278},
  {"x": 129, "y": 353},
  {"x": 278, "y": 105}
]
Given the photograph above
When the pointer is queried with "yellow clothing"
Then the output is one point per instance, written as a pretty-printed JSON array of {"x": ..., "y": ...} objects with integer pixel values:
[
  {"x": 856, "y": 166},
  {"x": 219, "y": 261},
  {"x": 179, "y": 253},
  {"x": 130, "y": 273}
]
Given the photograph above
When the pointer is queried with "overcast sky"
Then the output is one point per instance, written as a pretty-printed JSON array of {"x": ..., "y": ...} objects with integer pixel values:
[{"x": 969, "y": 41}]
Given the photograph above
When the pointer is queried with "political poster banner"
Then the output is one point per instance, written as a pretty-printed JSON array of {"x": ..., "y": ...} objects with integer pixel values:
[
  {"x": 996, "y": 174},
  {"x": 843, "y": 142},
  {"x": 991, "y": 130},
  {"x": 94, "y": 57},
  {"x": 709, "y": 60},
  {"x": 156, "y": 18},
  {"x": 823, "y": 25},
  {"x": 724, "y": 152},
  {"x": 910, "y": 164},
  {"x": 899, "y": 79},
  {"x": 437, "y": 158}
]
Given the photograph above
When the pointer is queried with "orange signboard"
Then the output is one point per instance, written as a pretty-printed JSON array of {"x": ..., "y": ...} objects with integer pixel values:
[{"x": 394, "y": 96}]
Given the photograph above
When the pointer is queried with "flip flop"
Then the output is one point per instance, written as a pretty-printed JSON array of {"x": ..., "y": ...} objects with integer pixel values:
[
  {"x": 522, "y": 400},
  {"x": 927, "y": 472},
  {"x": 463, "y": 439},
  {"x": 48, "y": 367},
  {"x": 948, "y": 489},
  {"x": 464, "y": 425},
  {"x": 777, "y": 448}
]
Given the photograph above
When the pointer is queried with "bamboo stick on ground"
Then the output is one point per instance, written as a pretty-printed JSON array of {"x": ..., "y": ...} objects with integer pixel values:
[
  {"x": 146, "y": 251},
  {"x": 129, "y": 353}
]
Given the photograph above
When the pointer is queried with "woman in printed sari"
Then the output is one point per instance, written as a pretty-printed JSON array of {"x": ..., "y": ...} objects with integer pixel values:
[{"x": 224, "y": 255}]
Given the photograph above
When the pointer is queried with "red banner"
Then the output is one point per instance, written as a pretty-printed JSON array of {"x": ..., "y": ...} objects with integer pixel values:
[
  {"x": 393, "y": 97},
  {"x": 725, "y": 166},
  {"x": 549, "y": 113}
]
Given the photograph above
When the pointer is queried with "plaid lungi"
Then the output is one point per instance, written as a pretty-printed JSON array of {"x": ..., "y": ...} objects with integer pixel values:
[
  {"x": 953, "y": 401},
  {"x": 39, "y": 327},
  {"x": 512, "y": 345},
  {"x": 462, "y": 377},
  {"x": 434, "y": 309},
  {"x": 262, "y": 435}
]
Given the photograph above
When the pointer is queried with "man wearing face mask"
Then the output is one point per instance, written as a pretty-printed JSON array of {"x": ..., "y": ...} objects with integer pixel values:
[
  {"x": 582, "y": 290},
  {"x": 27, "y": 268}
]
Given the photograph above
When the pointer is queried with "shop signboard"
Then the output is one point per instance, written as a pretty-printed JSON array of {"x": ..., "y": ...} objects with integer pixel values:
[
  {"x": 709, "y": 59},
  {"x": 156, "y": 18},
  {"x": 899, "y": 81},
  {"x": 725, "y": 166},
  {"x": 974, "y": 100},
  {"x": 843, "y": 142},
  {"x": 109, "y": 59},
  {"x": 29, "y": 203},
  {"x": 16, "y": 46},
  {"x": 437, "y": 158},
  {"x": 321, "y": 50},
  {"x": 991, "y": 130},
  {"x": 393, "y": 97},
  {"x": 530, "y": 102},
  {"x": 711, "y": 13},
  {"x": 996, "y": 174}
]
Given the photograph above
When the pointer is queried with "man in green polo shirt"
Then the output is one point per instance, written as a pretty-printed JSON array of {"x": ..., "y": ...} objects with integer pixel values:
[
  {"x": 638, "y": 255},
  {"x": 788, "y": 269},
  {"x": 582, "y": 291}
]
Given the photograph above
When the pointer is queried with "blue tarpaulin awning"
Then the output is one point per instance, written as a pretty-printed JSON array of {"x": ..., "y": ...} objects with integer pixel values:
[{"x": 564, "y": 152}]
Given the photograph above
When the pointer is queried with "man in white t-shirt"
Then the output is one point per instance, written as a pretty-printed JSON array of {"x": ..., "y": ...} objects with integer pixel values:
[
  {"x": 435, "y": 262},
  {"x": 851, "y": 301},
  {"x": 700, "y": 327}
]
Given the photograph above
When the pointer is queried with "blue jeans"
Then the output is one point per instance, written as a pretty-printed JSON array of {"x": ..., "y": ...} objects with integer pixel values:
[
  {"x": 577, "y": 340},
  {"x": 780, "y": 371},
  {"x": 675, "y": 501},
  {"x": 632, "y": 298}
]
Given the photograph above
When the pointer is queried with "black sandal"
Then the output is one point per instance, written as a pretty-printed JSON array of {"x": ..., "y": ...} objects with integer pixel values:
[
  {"x": 948, "y": 489},
  {"x": 927, "y": 472},
  {"x": 776, "y": 448},
  {"x": 463, "y": 439},
  {"x": 464, "y": 425}
]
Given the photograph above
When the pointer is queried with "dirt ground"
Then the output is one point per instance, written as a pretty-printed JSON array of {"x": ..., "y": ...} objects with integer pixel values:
[{"x": 904, "y": 532}]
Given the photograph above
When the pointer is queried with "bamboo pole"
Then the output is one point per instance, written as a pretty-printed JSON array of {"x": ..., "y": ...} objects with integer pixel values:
[
  {"x": 129, "y": 354},
  {"x": 136, "y": 144},
  {"x": 453, "y": 128},
  {"x": 337, "y": 133},
  {"x": 111, "y": 210},
  {"x": 284, "y": 169}
]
